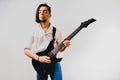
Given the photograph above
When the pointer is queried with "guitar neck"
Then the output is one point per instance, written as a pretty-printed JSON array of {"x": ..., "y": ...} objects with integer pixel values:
[
  {"x": 73, "y": 33},
  {"x": 57, "y": 49}
]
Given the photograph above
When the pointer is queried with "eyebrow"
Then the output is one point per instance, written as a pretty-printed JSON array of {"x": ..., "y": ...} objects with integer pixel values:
[{"x": 43, "y": 10}]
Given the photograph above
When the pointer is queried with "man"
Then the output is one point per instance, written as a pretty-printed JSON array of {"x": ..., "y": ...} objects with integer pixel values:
[{"x": 41, "y": 39}]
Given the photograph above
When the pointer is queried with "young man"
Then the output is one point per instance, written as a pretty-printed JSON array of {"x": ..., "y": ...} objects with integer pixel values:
[{"x": 41, "y": 39}]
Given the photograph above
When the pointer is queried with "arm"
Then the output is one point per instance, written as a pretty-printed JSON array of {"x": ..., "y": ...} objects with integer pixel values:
[
  {"x": 59, "y": 40},
  {"x": 30, "y": 54},
  {"x": 42, "y": 59}
]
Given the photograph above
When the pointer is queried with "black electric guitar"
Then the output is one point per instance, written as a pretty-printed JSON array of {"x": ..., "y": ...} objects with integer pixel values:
[{"x": 44, "y": 68}]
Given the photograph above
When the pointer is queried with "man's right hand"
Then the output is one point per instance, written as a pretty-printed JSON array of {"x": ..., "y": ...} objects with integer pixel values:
[{"x": 44, "y": 59}]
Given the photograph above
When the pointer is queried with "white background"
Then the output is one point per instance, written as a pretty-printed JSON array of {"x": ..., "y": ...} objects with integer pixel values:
[{"x": 94, "y": 52}]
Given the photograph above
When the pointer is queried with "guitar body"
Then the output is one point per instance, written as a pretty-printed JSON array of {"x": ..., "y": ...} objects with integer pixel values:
[{"x": 44, "y": 68}]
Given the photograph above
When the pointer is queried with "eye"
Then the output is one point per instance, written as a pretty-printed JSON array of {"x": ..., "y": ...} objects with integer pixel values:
[
  {"x": 45, "y": 11},
  {"x": 39, "y": 12}
]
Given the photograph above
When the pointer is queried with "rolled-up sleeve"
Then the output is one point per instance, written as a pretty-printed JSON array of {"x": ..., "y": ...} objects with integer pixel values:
[{"x": 29, "y": 42}]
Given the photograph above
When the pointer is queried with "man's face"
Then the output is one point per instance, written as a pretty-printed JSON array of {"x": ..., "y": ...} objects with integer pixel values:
[{"x": 44, "y": 14}]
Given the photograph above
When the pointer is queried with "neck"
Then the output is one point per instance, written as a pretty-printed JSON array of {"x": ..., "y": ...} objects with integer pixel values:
[{"x": 45, "y": 24}]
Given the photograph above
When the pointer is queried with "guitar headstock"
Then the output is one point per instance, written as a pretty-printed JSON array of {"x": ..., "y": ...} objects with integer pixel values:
[{"x": 86, "y": 23}]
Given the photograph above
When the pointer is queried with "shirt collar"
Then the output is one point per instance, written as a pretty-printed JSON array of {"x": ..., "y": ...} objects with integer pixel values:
[{"x": 49, "y": 31}]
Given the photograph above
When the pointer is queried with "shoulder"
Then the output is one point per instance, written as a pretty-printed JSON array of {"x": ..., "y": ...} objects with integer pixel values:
[
  {"x": 58, "y": 35},
  {"x": 57, "y": 31}
]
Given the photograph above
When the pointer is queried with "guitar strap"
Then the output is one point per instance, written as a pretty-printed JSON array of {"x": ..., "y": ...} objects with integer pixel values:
[
  {"x": 54, "y": 31},
  {"x": 51, "y": 44}
]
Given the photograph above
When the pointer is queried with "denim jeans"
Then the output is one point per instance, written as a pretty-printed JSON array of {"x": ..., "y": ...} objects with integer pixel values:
[{"x": 57, "y": 75}]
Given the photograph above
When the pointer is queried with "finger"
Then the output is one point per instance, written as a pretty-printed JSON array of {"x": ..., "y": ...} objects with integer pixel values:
[
  {"x": 48, "y": 61},
  {"x": 48, "y": 58},
  {"x": 67, "y": 43}
]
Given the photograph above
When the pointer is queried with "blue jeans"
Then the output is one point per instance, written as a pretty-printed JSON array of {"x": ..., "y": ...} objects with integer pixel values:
[{"x": 57, "y": 75}]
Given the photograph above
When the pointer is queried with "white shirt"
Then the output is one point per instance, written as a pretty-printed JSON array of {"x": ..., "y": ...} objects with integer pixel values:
[{"x": 40, "y": 40}]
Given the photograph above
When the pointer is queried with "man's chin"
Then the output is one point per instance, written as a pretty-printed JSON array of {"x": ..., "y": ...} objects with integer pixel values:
[{"x": 43, "y": 20}]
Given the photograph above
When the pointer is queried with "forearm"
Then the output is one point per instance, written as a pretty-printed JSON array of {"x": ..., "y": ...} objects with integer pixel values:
[
  {"x": 30, "y": 54},
  {"x": 43, "y": 59}
]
